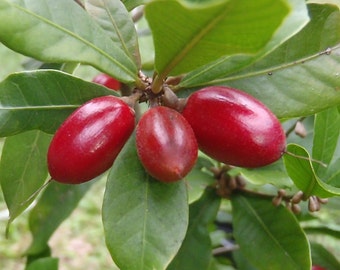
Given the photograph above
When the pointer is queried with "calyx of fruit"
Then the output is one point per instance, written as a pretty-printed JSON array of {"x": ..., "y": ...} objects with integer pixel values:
[
  {"x": 166, "y": 144},
  {"x": 90, "y": 139},
  {"x": 234, "y": 128}
]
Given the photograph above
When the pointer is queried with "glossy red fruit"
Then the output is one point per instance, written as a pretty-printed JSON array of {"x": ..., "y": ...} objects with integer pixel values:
[
  {"x": 234, "y": 127},
  {"x": 166, "y": 144},
  {"x": 90, "y": 139},
  {"x": 107, "y": 81}
]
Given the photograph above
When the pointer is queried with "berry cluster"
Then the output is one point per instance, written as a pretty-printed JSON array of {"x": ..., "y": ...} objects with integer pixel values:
[{"x": 226, "y": 124}]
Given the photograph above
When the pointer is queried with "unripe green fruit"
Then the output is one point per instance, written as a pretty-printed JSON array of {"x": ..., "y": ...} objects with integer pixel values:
[
  {"x": 89, "y": 140},
  {"x": 234, "y": 127}
]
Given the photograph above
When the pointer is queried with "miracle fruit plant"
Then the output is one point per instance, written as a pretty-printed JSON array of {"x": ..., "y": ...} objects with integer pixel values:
[{"x": 218, "y": 150}]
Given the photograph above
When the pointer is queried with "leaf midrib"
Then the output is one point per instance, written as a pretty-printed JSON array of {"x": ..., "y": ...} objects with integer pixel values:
[
  {"x": 196, "y": 38},
  {"x": 75, "y": 36},
  {"x": 266, "y": 230},
  {"x": 116, "y": 28}
]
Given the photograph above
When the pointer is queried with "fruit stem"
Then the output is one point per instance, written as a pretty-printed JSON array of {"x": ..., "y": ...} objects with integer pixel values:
[
  {"x": 225, "y": 249},
  {"x": 132, "y": 99},
  {"x": 157, "y": 84},
  {"x": 171, "y": 100},
  {"x": 140, "y": 84}
]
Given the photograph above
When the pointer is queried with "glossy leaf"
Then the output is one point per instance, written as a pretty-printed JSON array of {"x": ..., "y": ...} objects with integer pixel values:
[
  {"x": 301, "y": 171},
  {"x": 197, "y": 181},
  {"x": 326, "y": 137},
  {"x": 305, "y": 65},
  {"x": 264, "y": 233},
  {"x": 23, "y": 169},
  {"x": 241, "y": 261},
  {"x": 274, "y": 174},
  {"x": 53, "y": 207},
  {"x": 73, "y": 36},
  {"x": 42, "y": 100},
  {"x": 294, "y": 22},
  {"x": 145, "y": 221},
  {"x": 113, "y": 17},
  {"x": 197, "y": 34},
  {"x": 197, "y": 244},
  {"x": 323, "y": 230}
]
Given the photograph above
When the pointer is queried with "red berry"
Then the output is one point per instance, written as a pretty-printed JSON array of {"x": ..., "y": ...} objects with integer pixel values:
[
  {"x": 166, "y": 144},
  {"x": 234, "y": 127},
  {"x": 90, "y": 139},
  {"x": 107, "y": 81}
]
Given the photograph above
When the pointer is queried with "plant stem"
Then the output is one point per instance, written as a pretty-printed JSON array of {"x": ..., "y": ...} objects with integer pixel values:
[{"x": 157, "y": 84}]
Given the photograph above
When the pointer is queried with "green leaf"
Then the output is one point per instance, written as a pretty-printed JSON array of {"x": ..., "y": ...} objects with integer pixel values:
[
  {"x": 322, "y": 257},
  {"x": 145, "y": 221},
  {"x": 53, "y": 207},
  {"x": 131, "y": 4},
  {"x": 270, "y": 237},
  {"x": 274, "y": 174},
  {"x": 42, "y": 100},
  {"x": 197, "y": 181},
  {"x": 73, "y": 36},
  {"x": 216, "y": 265},
  {"x": 333, "y": 2},
  {"x": 326, "y": 137},
  {"x": 293, "y": 22},
  {"x": 146, "y": 45},
  {"x": 44, "y": 264},
  {"x": 307, "y": 65},
  {"x": 300, "y": 169},
  {"x": 324, "y": 230},
  {"x": 10, "y": 61},
  {"x": 113, "y": 17},
  {"x": 241, "y": 261},
  {"x": 197, "y": 34},
  {"x": 43, "y": 254},
  {"x": 197, "y": 244},
  {"x": 23, "y": 169},
  {"x": 332, "y": 175}
]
